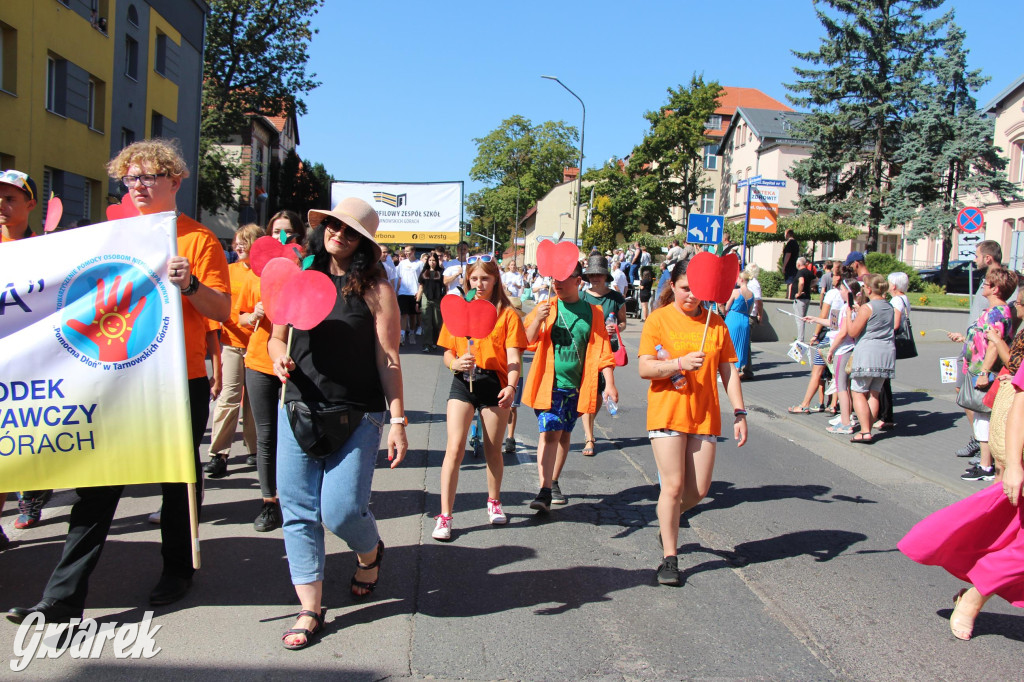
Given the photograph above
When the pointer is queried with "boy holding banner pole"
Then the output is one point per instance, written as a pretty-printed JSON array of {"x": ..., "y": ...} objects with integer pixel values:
[{"x": 152, "y": 170}]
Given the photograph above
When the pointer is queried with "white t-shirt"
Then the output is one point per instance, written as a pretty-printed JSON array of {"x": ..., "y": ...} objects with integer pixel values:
[
  {"x": 409, "y": 276},
  {"x": 755, "y": 289},
  {"x": 645, "y": 258},
  {"x": 834, "y": 298},
  {"x": 513, "y": 281},
  {"x": 389, "y": 268},
  {"x": 453, "y": 267},
  {"x": 675, "y": 254},
  {"x": 542, "y": 289},
  {"x": 619, "y": 281}
]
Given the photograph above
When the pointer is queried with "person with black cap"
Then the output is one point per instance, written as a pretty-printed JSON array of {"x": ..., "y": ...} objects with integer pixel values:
[
  {"x": 18, "y": 198},
  {"x": 613, "y": 305}
]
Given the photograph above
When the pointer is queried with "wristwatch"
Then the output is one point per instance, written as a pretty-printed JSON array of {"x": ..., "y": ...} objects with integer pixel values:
[
  {"x": 193, "y": 287},
  {"x": 404, "y": 421}
]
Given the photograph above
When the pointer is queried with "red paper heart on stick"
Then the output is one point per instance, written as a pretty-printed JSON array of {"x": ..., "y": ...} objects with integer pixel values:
[
  {"x": 291, "y": 295},
  {"x": 54, "y": 210},
  {"x": 712, "y": 278},
  {"x": 469, "y": 319},
  {"x": 557, "y": 260},
  {"x": 126, "y": 209},
  {"x": 266, "y": 249}
]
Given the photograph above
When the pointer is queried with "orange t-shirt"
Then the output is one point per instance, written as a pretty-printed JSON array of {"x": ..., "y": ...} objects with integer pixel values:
[
  {"x": 694, "y": 409},
  {"x": 508, "y": 332},
  {"x": 209, "y": 264},
  {"x": 256, "y": 356},
  {"x": 28, "y": 233},
  {"x": 234, "y": 334}
]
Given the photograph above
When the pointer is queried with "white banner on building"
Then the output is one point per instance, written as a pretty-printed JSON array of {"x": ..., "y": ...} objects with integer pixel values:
[{"x": 410, "y": 212}]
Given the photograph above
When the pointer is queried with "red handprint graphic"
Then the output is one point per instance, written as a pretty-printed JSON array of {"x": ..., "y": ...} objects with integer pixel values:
[{"x": 111, "y": 327}]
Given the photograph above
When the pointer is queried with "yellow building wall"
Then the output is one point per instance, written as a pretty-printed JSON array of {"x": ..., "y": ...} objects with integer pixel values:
[
  {"x": 161, "y": 92},
  {"x": 33, "y": 135}
]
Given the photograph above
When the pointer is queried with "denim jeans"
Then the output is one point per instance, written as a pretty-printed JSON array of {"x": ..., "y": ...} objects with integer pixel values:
[{"x": 332, "y": 492}]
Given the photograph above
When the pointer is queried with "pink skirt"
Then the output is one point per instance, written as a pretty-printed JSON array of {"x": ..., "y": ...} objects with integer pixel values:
[{"x": 978, "y": 540}]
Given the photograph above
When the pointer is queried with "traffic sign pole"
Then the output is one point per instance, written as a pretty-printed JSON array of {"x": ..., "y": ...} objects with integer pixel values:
[{"x": 746, "y": 228}]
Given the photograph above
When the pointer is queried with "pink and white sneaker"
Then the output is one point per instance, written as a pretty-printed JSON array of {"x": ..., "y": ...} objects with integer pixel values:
[
  {"x": 443, "y": 528},
  {"x": 495, "y": 514}
]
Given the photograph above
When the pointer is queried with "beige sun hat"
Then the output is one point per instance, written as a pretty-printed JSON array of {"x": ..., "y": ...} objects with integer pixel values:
[{"x": 355, "y": 213}]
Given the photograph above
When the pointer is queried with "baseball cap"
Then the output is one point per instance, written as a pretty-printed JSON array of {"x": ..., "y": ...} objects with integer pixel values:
[
  {"x": 20, "y": 180},
  {"x": 853, "y": 258}
]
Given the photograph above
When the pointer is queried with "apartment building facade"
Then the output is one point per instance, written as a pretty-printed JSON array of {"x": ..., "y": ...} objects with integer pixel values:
[{"x": 83, "y": 78}]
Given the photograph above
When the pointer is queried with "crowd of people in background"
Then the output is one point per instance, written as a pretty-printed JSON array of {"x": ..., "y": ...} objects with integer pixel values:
[{"x": 315, "y": 454}]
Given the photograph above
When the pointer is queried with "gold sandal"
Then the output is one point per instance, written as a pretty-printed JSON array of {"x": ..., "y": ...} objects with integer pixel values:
[
  {"x": 954, "y": 625},
  {"x": 588, "y": 448}
]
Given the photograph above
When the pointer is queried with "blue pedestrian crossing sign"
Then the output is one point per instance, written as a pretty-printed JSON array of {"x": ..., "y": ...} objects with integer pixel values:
[{"x": 705, "y": 229}]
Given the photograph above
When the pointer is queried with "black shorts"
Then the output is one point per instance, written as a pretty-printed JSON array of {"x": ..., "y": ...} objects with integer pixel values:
[
  {"x": 486, "y": 387},
  {"x": 407, "y": 305}
]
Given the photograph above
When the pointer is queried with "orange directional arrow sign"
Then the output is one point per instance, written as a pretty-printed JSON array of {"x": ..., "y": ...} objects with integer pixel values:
[{"x": 764, "y": 209}]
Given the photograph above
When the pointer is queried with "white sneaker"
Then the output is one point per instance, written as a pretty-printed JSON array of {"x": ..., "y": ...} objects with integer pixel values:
[
  {"x": 401, "y": 341},
  {"x": 443, "y": 529},
  {"x": 838, "y": 419},
  {"x": 419, "y": 331},
  {"x": 495, "y": 514}
]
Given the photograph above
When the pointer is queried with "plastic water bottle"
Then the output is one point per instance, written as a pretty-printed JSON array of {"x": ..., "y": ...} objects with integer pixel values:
[
  {"x": 612, "y": 407},
  {"x": 678, "y": 379}
]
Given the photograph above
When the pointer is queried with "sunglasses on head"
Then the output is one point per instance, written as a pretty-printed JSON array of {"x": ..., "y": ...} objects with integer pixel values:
[{"x": 486, "y": 258}]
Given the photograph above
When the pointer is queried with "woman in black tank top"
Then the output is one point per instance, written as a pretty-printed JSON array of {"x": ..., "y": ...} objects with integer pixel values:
[{"x": 348, "y": 363}]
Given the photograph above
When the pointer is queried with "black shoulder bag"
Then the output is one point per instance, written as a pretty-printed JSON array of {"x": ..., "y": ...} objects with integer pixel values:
[{"x": 321, "y": 430}]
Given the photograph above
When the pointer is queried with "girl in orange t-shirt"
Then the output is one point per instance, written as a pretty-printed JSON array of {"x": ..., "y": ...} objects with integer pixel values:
[
  {"x": 683, "y": 423},
  {"x": 498, "y": 365}
]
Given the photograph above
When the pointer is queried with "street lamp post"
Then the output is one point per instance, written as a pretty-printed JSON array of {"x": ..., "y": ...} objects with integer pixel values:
[{"x": 579, "y": 170}]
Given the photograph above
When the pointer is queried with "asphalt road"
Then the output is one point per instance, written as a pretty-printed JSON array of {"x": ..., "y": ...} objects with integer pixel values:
[{"x": 790, "y": 567}]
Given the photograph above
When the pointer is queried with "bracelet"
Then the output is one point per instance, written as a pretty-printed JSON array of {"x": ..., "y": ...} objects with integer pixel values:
[
  {"x": 739, "y": 413},
  {"x": 193, "y": 287},
  {"x": 679, "y": 364}
]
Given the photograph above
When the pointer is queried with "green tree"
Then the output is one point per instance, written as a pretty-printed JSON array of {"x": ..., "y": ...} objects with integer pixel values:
[
  {"x": 947, "y": 152},
  {"x": 298, "y": 186},
  {"x": 521, "y": 162},
  {"x": 810, "y": 228},
  {"x": 254, "y": 63},
  {"x": 622, "y": 210},
  {"x": 667, "y": 168},
  {"x": 860, "y": 90},
  {"x": 600, "y": 232}
]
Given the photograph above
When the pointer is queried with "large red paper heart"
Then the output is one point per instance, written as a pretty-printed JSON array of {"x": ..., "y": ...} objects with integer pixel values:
[
  {"x": 557, "y": 261},
  {"x": 291, "y": 295},
  {"x": 266, "y": 249},
  {"x": 712, "y": 278},
  {"x": 126, "y": 209},
  {"x": 54, "y": 211},
  {"x": 470, "y": 319}
]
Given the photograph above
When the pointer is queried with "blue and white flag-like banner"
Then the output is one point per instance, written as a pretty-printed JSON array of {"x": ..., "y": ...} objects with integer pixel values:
[
  {"x": 410, "y": 212},
  {"x": 93, "y": 383}
]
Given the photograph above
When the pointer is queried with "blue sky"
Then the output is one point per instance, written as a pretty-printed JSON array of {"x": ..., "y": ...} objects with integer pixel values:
[{"x": 406, "y": 86}]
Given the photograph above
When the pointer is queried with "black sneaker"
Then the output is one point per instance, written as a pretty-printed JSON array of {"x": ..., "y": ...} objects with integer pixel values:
[
  {"x": 979, "y": 473},
  {"x": 251, "y": 460},
  {"x": 668, "y": 572},
  {"x": 217, "y": 467},
  {"x": 269, "y": 518},
  {"x": 542, "y": 502},
  {"x": 972, "y": 448},
  {"x": 556, "y": 494},
  {"x": 510, "y": 446}
]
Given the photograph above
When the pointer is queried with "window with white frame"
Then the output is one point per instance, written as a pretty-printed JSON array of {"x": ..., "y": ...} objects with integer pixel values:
[
  {"x": 707, "y": 203},
  {"x": 1017, "y": 161},
  {"x": 714, "y": 122},
  {"x": 888, "y": 243},
  {"x": 711, "y": 156},
  {"x": 828, "y": 250}
]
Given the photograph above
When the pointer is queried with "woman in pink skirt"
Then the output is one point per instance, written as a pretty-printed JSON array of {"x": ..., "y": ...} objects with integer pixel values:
[{"x": 980, "y": 539}]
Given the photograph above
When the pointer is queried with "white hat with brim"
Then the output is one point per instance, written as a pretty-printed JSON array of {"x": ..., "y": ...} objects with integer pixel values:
[{"x": 355, "y": 213}]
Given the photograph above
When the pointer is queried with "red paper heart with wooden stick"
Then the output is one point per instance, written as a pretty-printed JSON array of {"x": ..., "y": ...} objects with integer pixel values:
[
  {"x": 266, "y": 249},
  {"x": 291, "y": 295},
  {"x": 711, "y": 277},
  {"x": 557, "y": 261},
  {"x": 469, "y": 319}
]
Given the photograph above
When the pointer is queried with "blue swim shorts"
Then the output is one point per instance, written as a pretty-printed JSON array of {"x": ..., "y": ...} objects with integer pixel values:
[{"x": 562, "y": 415}]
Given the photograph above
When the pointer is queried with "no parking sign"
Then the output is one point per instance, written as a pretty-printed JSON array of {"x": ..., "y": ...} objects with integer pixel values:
[{"x": 970, "y": 219}]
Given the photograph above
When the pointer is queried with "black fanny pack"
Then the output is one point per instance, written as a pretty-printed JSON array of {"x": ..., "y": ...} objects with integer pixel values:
[{"x": 320, "y": 430}]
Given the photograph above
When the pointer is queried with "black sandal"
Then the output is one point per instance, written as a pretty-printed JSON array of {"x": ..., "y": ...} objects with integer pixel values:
[
  {"x": 309, "y": 634},
  {"x": 369, "y": 587}
]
